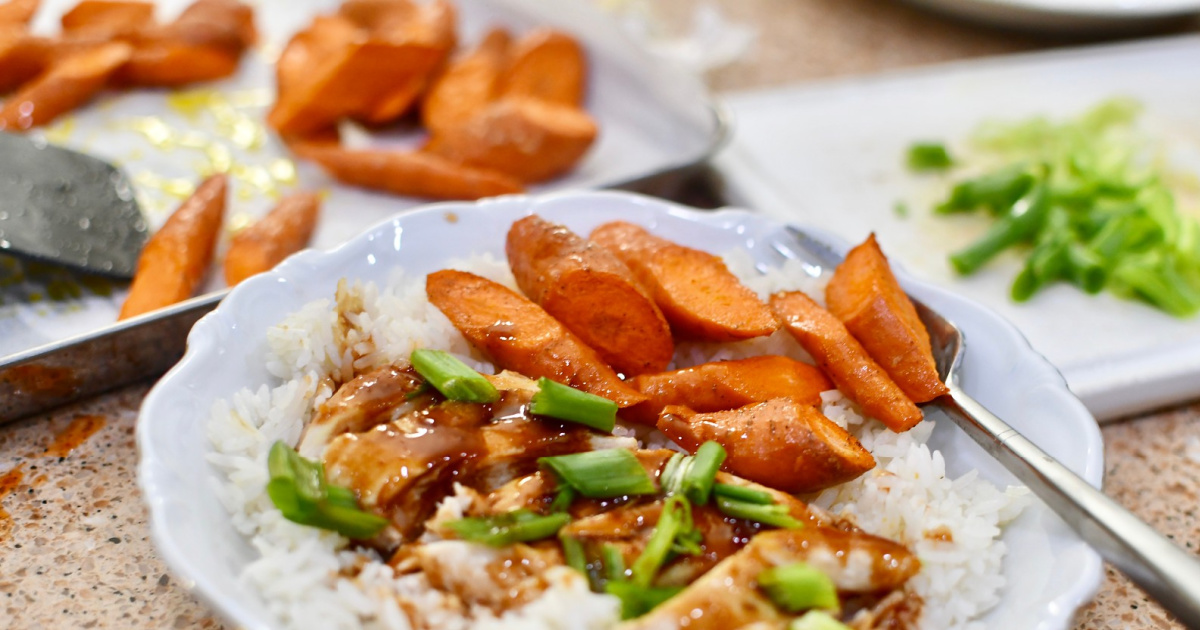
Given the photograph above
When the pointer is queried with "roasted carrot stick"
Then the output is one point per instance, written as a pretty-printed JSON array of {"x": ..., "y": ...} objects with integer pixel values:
[
  {"x": 64, "y": 86},
  {"x": 865, "y": 295},
  {"x": 466, "y": 85},
  {"x": 694, "y": 289},
  {"x": 22, "y": 56},
  {"x": 18, "y": 12},
  {"x": 528, "y": 139},
  {"x": 781, "y": 443},
  {"x": 724, "y": 385},
  {"x": 592, "y": 293},
  {"x": 406, "y": 173},
  {"x": 284, "y": 231},
  {"x": 204, "y": 43},
  {"x": 108, "y": 17},
  {"x": 547, "y": 65},
  {"x": 844, "y": 359},
  {"x": 518, "y": 335},
  {"x": 371, "y": 13},
  {"x": 431, "y": 26},
  {"x": 176, "y": 257}
]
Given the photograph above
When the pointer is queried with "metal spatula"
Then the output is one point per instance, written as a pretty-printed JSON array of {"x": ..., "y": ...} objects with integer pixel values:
[
  {"x": 1166, "y": 571},
  {"x": 63, "y": 207}
]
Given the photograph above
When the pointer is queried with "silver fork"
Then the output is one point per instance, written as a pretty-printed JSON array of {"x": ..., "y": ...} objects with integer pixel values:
[{"x": 1166, "y": 571}]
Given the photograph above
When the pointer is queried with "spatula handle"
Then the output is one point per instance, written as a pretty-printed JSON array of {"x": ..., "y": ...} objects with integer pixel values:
[{"x": 1166, "y": 571}]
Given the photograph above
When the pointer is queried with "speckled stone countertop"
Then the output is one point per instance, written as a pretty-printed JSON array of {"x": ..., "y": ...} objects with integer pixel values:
[{"x": 74, "y": 543}]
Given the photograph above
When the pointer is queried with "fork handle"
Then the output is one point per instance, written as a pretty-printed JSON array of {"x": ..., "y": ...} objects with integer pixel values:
[{"x": 1166, "y": 571}]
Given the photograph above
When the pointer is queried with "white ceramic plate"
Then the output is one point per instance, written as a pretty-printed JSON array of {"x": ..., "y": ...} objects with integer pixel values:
[
  {"x": 1065, "y": 15},
  {"x": 1051, "y": 572},
  {"x": 832, "y": 154},
  {"x": 653, "y": 117}
]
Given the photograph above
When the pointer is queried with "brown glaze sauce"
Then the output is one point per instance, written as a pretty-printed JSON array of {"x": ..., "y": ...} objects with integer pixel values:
[
  {"x": 77, "y": 432},
  {"x": 41, "y": 380},
  {"x": 9, "y": 482}
]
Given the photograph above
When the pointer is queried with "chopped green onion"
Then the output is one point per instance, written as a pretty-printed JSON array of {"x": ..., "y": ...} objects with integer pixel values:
[
  {"x": 743, "y": 493},
  {"x": 453, "y": 378},
  {"x": 670, "y": 522},
  {"x": 567, "y": 403},
  {"x": 1019, "y": 224},
  {"x": 996, "y": 191},
  {"x": 775, "y": 515},
  {"x": 563, "y": 498},
  {"x": 817, "y": 620},
  {"x": 298, "y": 488},
  {"x": 421, "y": 389},
  {"x": 614, "y": 562},
  {"x": 699, "y": 476},
  {"x": 601, "y": 474},
  {"x": 573, "y": 554},
  {"x": 508, "y": 528},
  {"x": 637, "y": 600},
  {"x": 797, "y": 587},
  {"x": 671, "y": 478},
  {"x": 929, "y": 156}
]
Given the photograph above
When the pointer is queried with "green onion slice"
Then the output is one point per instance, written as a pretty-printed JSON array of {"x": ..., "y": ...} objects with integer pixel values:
[
  {"x": 798, "y": 587},
  {"x": 638, "y": 600},
  {"x": 567, "y": 403},
  {"x": 614, "y": 562},
  {"x": 511, "y": 527},
  {"x": 563, "y": 498},
  {"x": 676, "y": 516},
  {"x": 774, "y": 515},
  {"x": 453, "y": 378},
  {"x": 693, "y": 475},
  {"x": 929, "y": 156},
  {"x": 298, "y": 488},
  {"x": 743, "y": 493},
  {"x": 601, "y": 474},
  {"x": 817, "y": 620},
  {"x": 573, "y": 554}
]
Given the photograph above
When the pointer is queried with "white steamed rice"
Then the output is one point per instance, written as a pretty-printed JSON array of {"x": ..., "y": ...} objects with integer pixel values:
[{"x": 308, "y": 578}]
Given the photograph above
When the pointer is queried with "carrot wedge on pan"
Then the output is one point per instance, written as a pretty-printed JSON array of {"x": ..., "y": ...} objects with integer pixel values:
[
  {"x": 547, "y": 65},
  {"x": 844, "y": 359},
  {"x": 284, "y": 231},
  {"x": 18, "y": 12},
  {"x": 467, "y": 85},
  {"x": 865, "y": 295},
  {"x": 723, "y": 385},
  {"x": 204, "y": 43},
  {"x": 65, "y": 85},
  {"x": 176, "y": 257},
  {"x": 518, "y": 335},
  {"x": 108, "y": 17},
  {"x": 369, "y": 13},
  {"x": 592, "y": 293},
  {"x": 528, "y": 139},
  {"x": 407, "y": 173},
  {"x": 694, "y": 289},
  {"x": 22, "y": 56},
  {"x": 781, "y": 443},
  {"x": 431, "y": 26}
]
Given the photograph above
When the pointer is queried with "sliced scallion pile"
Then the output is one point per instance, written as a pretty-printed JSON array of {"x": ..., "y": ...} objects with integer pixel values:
[
  {"x": 509, "y": 528},
  {"x": 453, "y": 378},
  {"x": 567, "y": 403},
  {"x": 799, "y": 587},
  {"x": 298, "y": 488},
  {"x": 601, "y": 474},
  {"x": 693, "y": 475}
]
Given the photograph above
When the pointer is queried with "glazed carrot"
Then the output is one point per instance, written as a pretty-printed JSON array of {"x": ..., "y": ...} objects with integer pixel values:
[
  {"x": 18, "y": 12},
  {"x": 694, "y": 289},
  {"x": 372, "y": 13},
  {"x": 431, "y": 26},
  {"x": 587, "y": 289},
  {"x": 204, "y": 43},
  {"x": 865, "y": 295},
  {"x": 284, "y": 231},
  {"x": 844, "y": 359},
  {"x": 22, "y": 57},
  {"x": 176, "y": 257},
  {"x": 108, "y": 17},
  {"x": 324, "y": 37},
  {"x": 781, "y": 443},
  {"x": 67, "y": 84},
  {"x": 528, "y": 139},
  {"x": 407, "y": 173},
  {"x": 724, "y": 385},
  {"x": 518, "y": 335},
  {"x": 466, "y": 85},
  {"x": 547, "y": 65}
]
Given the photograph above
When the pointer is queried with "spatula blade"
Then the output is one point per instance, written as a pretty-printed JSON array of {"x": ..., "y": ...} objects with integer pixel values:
[{"x": 64, "y": 207}]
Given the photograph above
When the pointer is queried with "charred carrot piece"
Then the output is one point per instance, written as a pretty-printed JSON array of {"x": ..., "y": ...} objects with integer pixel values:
[
  {"x": 108, "y": 17},
  {"x": 467, "y": 85},
  {"x": 694, "y": 289},
  {"x": 18, "y": 12},
  {"x": 836, "y": 351},
  {"x": 527, "y": 340},
  {"x": 177, "y": 256},
  {"x": 284, "y": 231},
  {"x": 724, "y": 385},
  {"x": 406, "y": 173},
  {"x": 586, "y": 288},
  {"x": 865, "y": 295},
  {"x": 63, "y": 87},
  {"x": 530, "y": 140},
  {"x": 781, "y": 443},
  {"x": 547, "y": 65}
]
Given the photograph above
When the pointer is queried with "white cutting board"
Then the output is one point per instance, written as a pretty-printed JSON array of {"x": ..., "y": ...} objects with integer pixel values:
[{"x": 832, "y": 154}]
